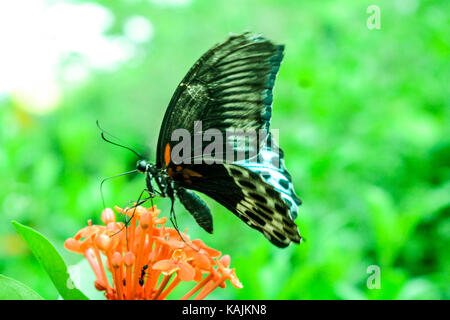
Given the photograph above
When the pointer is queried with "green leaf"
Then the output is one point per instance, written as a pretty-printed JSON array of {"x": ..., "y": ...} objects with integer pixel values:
[
  {"x": 51, "y": 261},
  {"x": 11, "y": 289}
]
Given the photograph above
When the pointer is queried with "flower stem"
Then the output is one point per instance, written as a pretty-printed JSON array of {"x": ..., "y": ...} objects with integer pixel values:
[
  {"x": 162, "y": 286},
  {"x": 206, "y": 291},
  {"x": 169, "y": 289},
  {"x": 197, "y": 287},
  {"x": 138, "y": 266}
]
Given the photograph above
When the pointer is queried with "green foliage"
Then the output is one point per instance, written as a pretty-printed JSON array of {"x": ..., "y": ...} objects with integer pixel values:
[
  {"x": 11, "y": 289},
  {"x": 51, "y": 261},
  {"x": 364, "y": 123}
]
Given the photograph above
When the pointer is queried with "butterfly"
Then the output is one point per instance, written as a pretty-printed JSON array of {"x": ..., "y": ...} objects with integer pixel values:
[{"x": 228, "y": 88}]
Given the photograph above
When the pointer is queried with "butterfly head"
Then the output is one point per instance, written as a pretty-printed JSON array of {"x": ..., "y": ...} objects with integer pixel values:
[
  {"x": 152, "y": 173},
  {"x": 145, "y": 167}
]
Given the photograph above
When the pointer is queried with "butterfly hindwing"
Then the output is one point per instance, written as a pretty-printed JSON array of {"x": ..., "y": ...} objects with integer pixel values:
[
  {"x": 269, "y": 164},
  {"x": 248, "y": 196}
]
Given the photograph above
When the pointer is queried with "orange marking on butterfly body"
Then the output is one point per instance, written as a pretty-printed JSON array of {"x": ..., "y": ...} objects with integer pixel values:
[
  {"x": 191, "y": 173},
  {"x": 167, "y": 154}
]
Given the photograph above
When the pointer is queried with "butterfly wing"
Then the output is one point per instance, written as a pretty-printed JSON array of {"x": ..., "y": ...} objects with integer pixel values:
[
  {"x": 247, "y": 195},
  {"x": 230, "y": 86},
  {"x": 270, "y": 166}
]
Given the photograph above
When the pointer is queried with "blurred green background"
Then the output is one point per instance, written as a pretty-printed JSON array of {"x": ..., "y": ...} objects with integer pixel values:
[{"x": 363, "y": 117}]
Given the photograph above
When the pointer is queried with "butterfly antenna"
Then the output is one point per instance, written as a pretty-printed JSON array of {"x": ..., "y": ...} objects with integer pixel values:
[
  {"x": 116, "y": 176},
  {"x": 115, "y": 143}
]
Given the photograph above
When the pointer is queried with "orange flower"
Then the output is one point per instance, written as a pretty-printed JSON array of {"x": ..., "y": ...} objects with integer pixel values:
[
  {"x": 178, "y": 264},
  {"x": 148, "y": 260}
]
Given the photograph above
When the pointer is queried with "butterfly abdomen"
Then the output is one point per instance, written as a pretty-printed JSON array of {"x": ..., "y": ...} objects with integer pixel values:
[{"x": 197, "y": 207}]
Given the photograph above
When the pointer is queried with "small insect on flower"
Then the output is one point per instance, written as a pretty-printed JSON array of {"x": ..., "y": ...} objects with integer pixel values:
[
  {"x": 149, "y": 260},
  {"x": 143, "y": 273}
]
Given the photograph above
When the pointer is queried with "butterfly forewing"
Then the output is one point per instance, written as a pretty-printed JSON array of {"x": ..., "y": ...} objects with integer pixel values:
[{"x": 229, "y": 87}]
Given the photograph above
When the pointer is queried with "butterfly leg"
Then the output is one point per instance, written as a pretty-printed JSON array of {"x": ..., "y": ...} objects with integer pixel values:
[
  {"x": 172, "y": 217},
  {"x": 139, "y": 202}
]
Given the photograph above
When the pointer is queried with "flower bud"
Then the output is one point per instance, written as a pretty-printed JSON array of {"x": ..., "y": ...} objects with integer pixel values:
[
  {"x": 103, "y": 242},
  {"x": 129, "y": 259},
  {"x": 116, "y": 260},
  {"x": 108, "y": 216}
]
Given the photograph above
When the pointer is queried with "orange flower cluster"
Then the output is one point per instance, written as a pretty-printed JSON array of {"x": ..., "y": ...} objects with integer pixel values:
[{"x": 148, "y": 260}]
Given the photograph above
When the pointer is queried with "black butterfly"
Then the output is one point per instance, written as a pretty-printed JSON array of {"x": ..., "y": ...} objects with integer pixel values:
[{"x": 229, "y": 87}]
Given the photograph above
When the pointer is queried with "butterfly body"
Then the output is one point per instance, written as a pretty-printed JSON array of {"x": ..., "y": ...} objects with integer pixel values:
[{"x": 228, "y": 88}]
